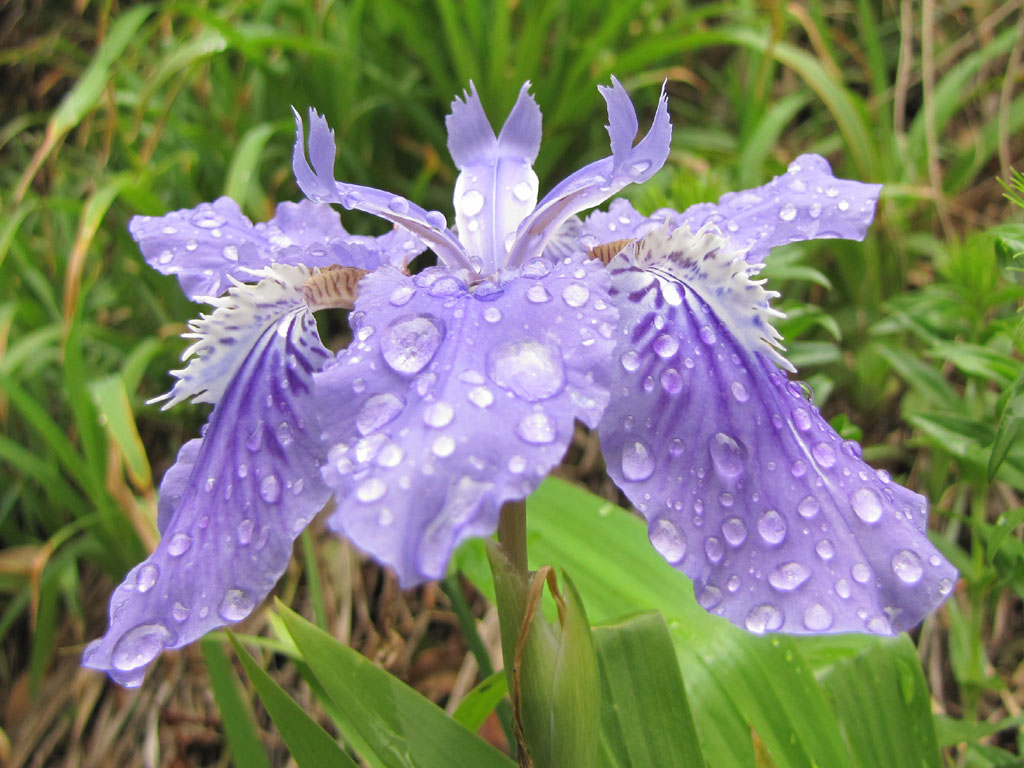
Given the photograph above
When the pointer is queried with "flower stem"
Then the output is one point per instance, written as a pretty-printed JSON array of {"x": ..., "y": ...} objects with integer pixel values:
[{"x": 512, "y": 534}]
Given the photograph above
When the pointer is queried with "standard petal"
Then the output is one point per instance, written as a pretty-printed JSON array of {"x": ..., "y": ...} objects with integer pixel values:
[
  {"x": 598, "y": 181},
  {"x": 450, "y": 402},
  {"x": 497, "y": 187},
  {"x": 620, "y": 222},
  {"x": 746, "y": 488},
  {"x": 805, "y": 203},
  {"x": 208, "y": 245},
  {"x": 231, "y": 506},
  {"x": 318, "y": 184}
]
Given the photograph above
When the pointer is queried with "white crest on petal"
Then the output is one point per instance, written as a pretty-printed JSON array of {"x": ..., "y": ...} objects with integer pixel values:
[
  {"x": 226, "y": 336},
  {"x": 710, "y": 265}
]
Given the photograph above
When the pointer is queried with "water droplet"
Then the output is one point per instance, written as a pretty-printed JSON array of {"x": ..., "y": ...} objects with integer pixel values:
[
  {"x": 739, "y": 392},
  {"x": 729, "y": 456},
  {"x": 146, "y": 577},
  {"x": 359, "y": 386},
  {"x": 671, "y": 381},
  {"x": 831, "y": 192},
  {"x": 867, "y": 505},
  {"x": 733, "y": 584},
  {"x": 789, "y": 576},
  {"x": 401, "y": 295},
  {"x": 245, "y": 531},
  {"x": 665, "y": 345},
  {"x": 523, "y": 191},
  {"x": 825, "y": 549},
  {"x": 536, "y": 428},
  {"x": 399, "y": 205},
  {"x": 808, "y": 508},
  {"x": 439, "y": 414},
  {"x": 205, "y": 217},
  {"x": 707, "y": 334},
  {"x": 763, "y": 618},
  {"x": 802, "y": 419},
  {"x": 861, "y": 573},
  {"x": 772, "y": 527},
  {"x": 284, "y": 433},
  {"x": 517, "y": 465},
  {"x": 378, "y": 411},
  {"x": 492, "y": 314},
  {"x": 180, "y": 612},
  {"x": 139, "y": 646},
  {"x": 437, "y": 220},
  {"x": 443, "y": 446},
  {"x": 411, "y": 342},
  {"x": 787, "y": 212},
  {"x": 538, "y": 294},
  {"x": 637, "y": 460},
  {"x": 630, "y": 360},
  {"x": 480, "y": 396},
  {"x": 165, "y": 257},
  {"x": 179, "y": 544},
  {"x": 230, "y": 252},
  {"x": 735, "y": 531},
  {"x": 270, "y": 488},
  {"x": 713, "y": 549},
  {"x": 528, "y": 368},
  {"x": 880, "y": 626},
  {"x": 390, "y": 455},
  {"x": 814, "y": 209},
  {"x": 668, "y": 540},
  {"x": 945, "y": 586},
  {"x": 817, "y": 617},
  {"x": 907, "y": 566},
  {"x": 236, "y": 605},
  {"x": 798, "y": 468},
  {"x": 536, "y": 268},
  {"x": 446, "y": 286},
  {"x": 710, "y": 597},
  {"x": 575, "y": 295},
  {"x": 843, "y": 205},
  {"x": 255, "y": 440},
  {"x": 676, "y": 447},
  {"x": 472, "y": 202},
  {"x": 371, "y": 490},
  {"x": 824, "y": 454},
  {"x": 640, "y": 168}
]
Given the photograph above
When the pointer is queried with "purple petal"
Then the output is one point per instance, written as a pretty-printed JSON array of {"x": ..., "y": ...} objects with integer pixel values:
[
  {"x": 208, "y": 245},
  {"x": 598, "y": 181},
  {"x": 805, "y": 203},
  {"x": 452, "y": 401},
  {"x": 620, "y": 222},
  {"x": 497, "y": 187},
  {"x": 318, "y": 184},
  {"x": 745, "y": 487},
  {"x": 231, "y": 506}
]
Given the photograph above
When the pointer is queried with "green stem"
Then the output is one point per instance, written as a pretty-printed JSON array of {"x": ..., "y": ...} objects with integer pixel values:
[{"x": 512, "y": 535}]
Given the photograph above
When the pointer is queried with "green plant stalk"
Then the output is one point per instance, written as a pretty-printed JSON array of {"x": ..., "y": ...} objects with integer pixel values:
[{"x": 512, "y": 535}]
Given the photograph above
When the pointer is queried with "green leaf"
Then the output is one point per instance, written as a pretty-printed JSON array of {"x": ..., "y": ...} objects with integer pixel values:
[
  {"x": 115, "y": 410},
  {"x": 246, "y": 160},
  {"x": 478, "y": 704},
  {"x": 1010, "y": 425},
  {"x": 309, "y": 744},
  {"x": 883, "y": 703},
  {"x": 400, "y": 727},
  {"x": 645, "y": 717},
  {"x": 245, "y": 745}
]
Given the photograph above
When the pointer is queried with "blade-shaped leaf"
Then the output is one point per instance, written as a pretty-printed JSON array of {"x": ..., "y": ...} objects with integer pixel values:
[{"x": 246, "y": 748}]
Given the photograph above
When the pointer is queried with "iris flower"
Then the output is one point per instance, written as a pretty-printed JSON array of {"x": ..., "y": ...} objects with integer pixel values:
[{"x": 459, "y": 390}]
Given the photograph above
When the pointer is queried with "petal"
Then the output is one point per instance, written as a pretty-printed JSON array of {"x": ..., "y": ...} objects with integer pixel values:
[
  {"x": 208, "y": 245},
  {"x": 746, "y": 488},
  {"x": 497, "y": 187},
  {"x": 598, "y": 181},
  {"x": 621, "y": 222},
  {"x": 452, "y": 401},
  {"x": 318, "y": 184},
  {"x": 230, "y": 507},
  {"x": 805, "y": 203}
]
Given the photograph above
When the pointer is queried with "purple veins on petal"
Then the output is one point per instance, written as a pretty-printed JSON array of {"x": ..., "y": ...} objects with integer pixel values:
[
  {"x": 234, "y": 501},
  {"x": 466, "y": 397},
  {"x": 745, "y": 487}
]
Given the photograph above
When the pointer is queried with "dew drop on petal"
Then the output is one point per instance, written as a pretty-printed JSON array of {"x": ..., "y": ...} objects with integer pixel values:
[
  {"x": 817, "y": 617},
  {"x": 523, "y": 192},
  {"x": 481, "y": 397},
  {"x": 245, "y": 531},
  {"x": 676, "y": 447},
  {"x": 439, "y": 414},
  {"x": 411, "y": 342},
  {"x": 390, "y": 455},
  {"x": 575, "y": 295},
  {"x": 713, "y": 549},
  {"x": 536, "y": 428},
  {"x": 235, "y": 605},
  {"x": 772, "y": 527},
  {"x": 139, "y": 646},
  {"x": 763, "y": 618},
  {"x": 668, "y": 540},
  {"x": 230, "y": 252},
  {"x": 808, "y": 508},
  {"x": 377, "y": 411},
  {"x": 825, "y": 549},
  {"x": 437, "y": 220},
  {"x": 802, "y": 419},
  {"x": 709, "y": 597},
  {"x": 880, "y": 626},
  {"x": 472, "y": 202},
  {"x": 787, "y": 212},
  {"x": 492, "y": 314},
  {"x": 671, "y": 381},
  {"x": 536, "y": 268},
  {"x": 630, "y": 360},
  {"x": 665, "y": 345},
  {"x": 270, "y": 489},
  {"x": 735, "y": 531},
  {"x": 531, "y": 370},
  {"x": 401, "y": 295},
  {"x": 861, "y": 573},
  {"x": 637, "y": 460},
  {"x": 728, "y": 455},
  {"x": 538, "y": 294},
  {"x": 739, "y": 392},
  {"x": 517, "y": 465},
  {"x": 866, "y": 505},
  {"x": 146, "y": 577},
  {"x": 399, "y": 205},
  {"x": 824, "y": 454},
  {"x": 180, "y": 612},
  {"x": 371, "y": 490},
  {"x": 945, "y": 586},
  {"x": 843, "y": 588},
  {"x": 179, "y": 544},
  {"x": 443, "y": 446},
  {"x": 789, "y": 576},
  {"x": 707, "y": 335},
  {"x": 907, "y": 566}
]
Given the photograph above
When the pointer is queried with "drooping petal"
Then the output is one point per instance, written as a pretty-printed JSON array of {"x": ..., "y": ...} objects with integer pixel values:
[
  {"x": 805, "y": 203},
  {"x": 598, "y": 181},
  {"x": 208, "y": 245},
  {"x": 318, "y": 184},
  {"x": 497, "y": 187},
  {"x": 452, "y": 401},
  {"x": 746, "y": 488},
  {"x": 234, "y": 502}
]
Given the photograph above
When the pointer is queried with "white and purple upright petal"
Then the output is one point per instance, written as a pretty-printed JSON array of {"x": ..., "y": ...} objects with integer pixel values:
[
  {"x": 234, "y": 502},
  {"x": 497, "y": 187},
  {"x": 452, "y": 401},
  {"x": 745, "y": 487}
]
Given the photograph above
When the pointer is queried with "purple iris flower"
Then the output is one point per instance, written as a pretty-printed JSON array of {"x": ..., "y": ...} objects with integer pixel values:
[{"x": 460, "y": 387}]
